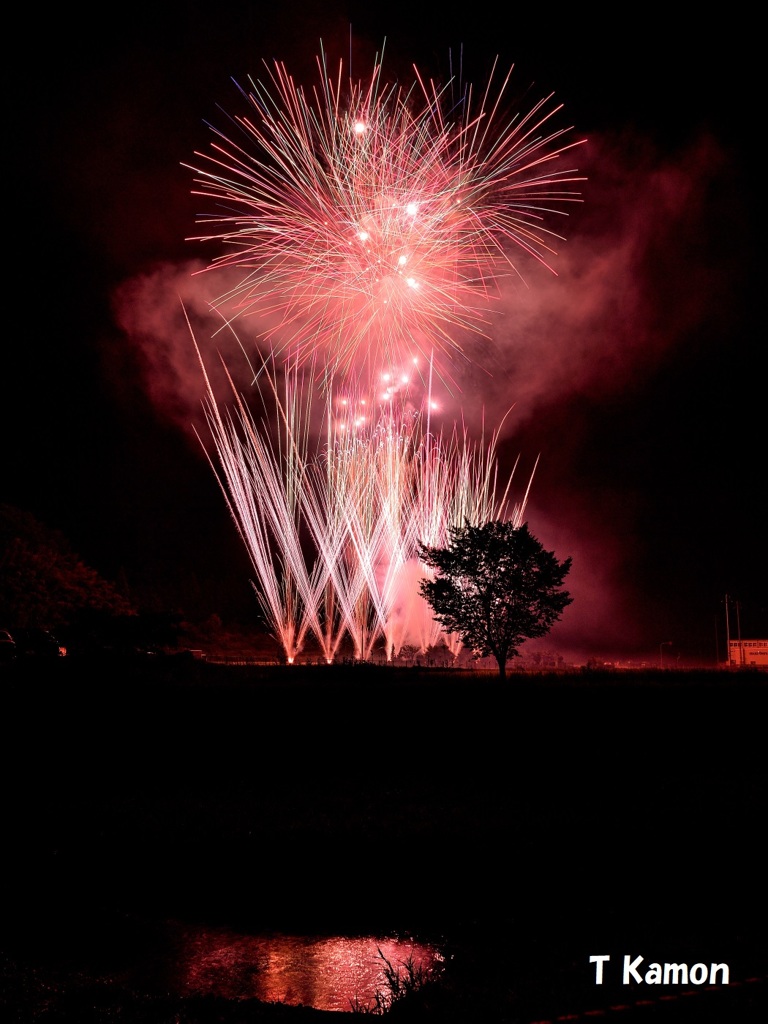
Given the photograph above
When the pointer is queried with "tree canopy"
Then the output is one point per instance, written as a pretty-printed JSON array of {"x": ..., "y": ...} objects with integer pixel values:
[{"x": 495, "y": 587}]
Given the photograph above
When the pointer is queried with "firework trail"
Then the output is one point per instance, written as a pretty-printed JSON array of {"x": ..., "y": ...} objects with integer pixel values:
[
  {"x": 365, "y": 227},
  {"x": 333, "y": 528},
  {"x": 369, "y": 221}
]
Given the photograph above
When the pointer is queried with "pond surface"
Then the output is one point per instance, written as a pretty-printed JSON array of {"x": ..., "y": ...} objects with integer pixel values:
[{"x": 328, "y": 973}]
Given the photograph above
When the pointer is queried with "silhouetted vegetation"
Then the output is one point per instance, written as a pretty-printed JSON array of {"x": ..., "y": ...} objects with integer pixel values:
[
  {"x": 43, "y": 581},
  {"x": 496, "y": 587}
]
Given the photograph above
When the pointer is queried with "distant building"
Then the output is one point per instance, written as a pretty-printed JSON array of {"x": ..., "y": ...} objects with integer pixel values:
[{"x": 748, "y": 654}]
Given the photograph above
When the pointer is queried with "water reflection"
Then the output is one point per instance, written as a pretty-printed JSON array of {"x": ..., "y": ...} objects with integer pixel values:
[{"x": 326, "y": 973}]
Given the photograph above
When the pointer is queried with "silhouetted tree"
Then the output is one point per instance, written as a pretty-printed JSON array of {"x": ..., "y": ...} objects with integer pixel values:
[{"x": 495, "y": 587}]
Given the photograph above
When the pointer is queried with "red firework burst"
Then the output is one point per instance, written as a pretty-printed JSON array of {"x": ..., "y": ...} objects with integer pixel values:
[{"x": 369, "y": 222}]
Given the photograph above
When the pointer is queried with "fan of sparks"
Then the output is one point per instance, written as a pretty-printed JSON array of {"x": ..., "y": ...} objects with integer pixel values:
[
  {"x": 372, "y": 221},
  {"x": 333, "y": 523}
]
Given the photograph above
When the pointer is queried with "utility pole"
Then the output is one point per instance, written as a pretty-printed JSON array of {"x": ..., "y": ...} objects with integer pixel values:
[
  {"x": 727, "y": 636},
  {"x": 717, "y": 643}
]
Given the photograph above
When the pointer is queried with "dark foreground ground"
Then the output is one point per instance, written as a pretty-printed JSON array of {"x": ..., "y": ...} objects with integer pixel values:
[{"x": 523, "y": 826}]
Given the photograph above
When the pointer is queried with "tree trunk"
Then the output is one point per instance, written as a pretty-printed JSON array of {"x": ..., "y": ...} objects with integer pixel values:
[{"x": 502, "y": 667}]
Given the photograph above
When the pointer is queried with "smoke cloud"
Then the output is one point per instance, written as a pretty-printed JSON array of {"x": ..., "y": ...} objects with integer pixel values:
[{"x": 634, "y": 280}]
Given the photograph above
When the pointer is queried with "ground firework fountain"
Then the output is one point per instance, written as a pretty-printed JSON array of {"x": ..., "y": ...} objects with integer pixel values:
[
  {"x": 333, "y": 523},
  {"x": 366, "y": 226}
]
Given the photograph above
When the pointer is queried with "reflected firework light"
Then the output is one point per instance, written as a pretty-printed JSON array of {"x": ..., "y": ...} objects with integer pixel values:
[{"x": 369, "y": 220}]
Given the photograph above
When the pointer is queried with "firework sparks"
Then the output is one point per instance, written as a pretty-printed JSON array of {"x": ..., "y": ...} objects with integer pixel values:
[
  {"x": 366, "y": 220},
  {"x": 366, "y": 227},
  {"x": 333, "y": 524}
]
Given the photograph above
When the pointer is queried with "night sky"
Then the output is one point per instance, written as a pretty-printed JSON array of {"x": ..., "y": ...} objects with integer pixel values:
[{"x": 636, "y": 373}]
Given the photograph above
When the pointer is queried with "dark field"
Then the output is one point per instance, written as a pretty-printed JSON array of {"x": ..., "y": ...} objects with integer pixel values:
[{"x": 524, "y": 826}]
